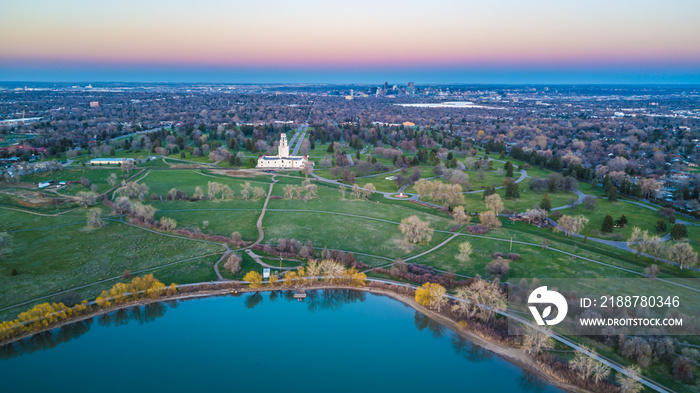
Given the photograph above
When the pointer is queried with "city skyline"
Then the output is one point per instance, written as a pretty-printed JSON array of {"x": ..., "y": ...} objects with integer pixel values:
[{"x": 362, "y": 42}]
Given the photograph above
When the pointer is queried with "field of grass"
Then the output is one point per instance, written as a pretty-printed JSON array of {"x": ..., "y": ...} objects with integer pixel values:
[
  {"x": 50, "y": 259},
  {"x": 341, "y": 232},
  {"x": 636, "y": 216},
  {"x": 216, "y": 222},
  {"x": 97, "y": 176},
  {"x": 534, "y": 261},
  {"x": 160, "y": 182}
]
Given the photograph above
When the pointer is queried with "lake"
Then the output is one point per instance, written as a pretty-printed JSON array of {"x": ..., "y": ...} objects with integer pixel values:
[{"x": 335, "y": 340}]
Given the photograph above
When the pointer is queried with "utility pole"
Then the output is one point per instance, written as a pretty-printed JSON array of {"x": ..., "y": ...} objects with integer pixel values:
[{"x": 511, "y": 243}]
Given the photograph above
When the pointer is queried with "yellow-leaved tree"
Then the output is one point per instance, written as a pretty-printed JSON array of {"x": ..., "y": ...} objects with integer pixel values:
[
  {"x": 254, "y": 279},
  {"x": 431, "y": 295}
]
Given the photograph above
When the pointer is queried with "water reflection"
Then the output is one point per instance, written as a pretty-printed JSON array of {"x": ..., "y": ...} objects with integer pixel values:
[
  {"x": 253, "y": 300},
  {"x": 531, "y": 382},
  {"x": 54, "y": 337},
  {"x": 469, "y": 350},
  {"x": 333, "y": 299},
  {"x": 423, "y": 322},
  {"x": 45, "y": 340}
]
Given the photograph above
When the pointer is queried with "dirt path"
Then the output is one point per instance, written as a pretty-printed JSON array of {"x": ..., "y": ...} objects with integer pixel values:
[
  {"x": 38, "y": 214},
  {"x": 432, "y": 249},
  {"x": 261, "y": 232}
]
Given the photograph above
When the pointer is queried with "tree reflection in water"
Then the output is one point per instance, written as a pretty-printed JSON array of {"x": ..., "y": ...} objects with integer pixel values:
[
  {"x": 274, "y": 295},
  {"x": 422, "y": 322},
  {"x": 253, "y": 300},
  {"x": 332, "y": 299},
  {"x": 531, "y": 382},
  {"x": 469, "y": 350},
  {"x": 45, "y": 340},
  {"x": 52, "y": 338}
]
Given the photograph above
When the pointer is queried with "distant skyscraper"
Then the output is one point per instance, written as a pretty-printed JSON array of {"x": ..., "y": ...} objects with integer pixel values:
[
  {"x": 411, "y": 89},
  {"x": 386, "y": 86}
]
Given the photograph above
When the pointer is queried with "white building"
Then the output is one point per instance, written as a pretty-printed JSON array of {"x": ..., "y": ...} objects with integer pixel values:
[
  {"x": 109, "y": 161},
  {"x": 282, "y": 159}
]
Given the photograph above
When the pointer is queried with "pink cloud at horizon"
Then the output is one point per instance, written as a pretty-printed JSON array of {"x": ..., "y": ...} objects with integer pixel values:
[{"x": 311, "y": 33}]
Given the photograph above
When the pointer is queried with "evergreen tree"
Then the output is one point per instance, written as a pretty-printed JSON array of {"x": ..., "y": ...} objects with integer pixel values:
[
  {"x": 607, "y": 226},
  {"x": 488, "y": 191},
  {"x": 330, "y": 148},
  {"x": 622, "y": 221},
  {"x": 679, "y": 231},
  {"x": 661, "y": 226},
  {"x": 545, "y": 203},
  {"x": 509, "y": 169},
  {"x": 512, "y": 190},
  {"x": 612, "y": 194}
]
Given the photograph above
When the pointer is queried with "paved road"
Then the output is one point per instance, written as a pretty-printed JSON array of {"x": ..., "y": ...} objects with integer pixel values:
[
  {"x": 298, "y": 139},
  {"x": 139, "y": 132}
]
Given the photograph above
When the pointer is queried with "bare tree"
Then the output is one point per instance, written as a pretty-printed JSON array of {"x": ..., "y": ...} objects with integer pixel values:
[
  {"x": 571, "y": 225},
  {"x": 465, "y": 251},
  {"x": 112, "y": 179},
  {"x": 5, "y": 241},
  {"x": 94, "y": 218},
  {"x": 86, "y": 198},
  {"x": 589, "y": 202},
  {"x": 460, "y": 216},
  {"x": 167, "y": 223},
  {"x": 537, "y": 340},
  {"x": 683, "y": 254},
  {"x": 368, "y": 190},
  {"x": 415, "y": 230},
  {"x": 232, "y": 262},
  {"x": 489, "y": 219},
  {"x": 128, "y": 165},
  {"x": 481, "y": 298},
  {"x": 493, "y": 202},
  {"x": 628, "y": 380}
]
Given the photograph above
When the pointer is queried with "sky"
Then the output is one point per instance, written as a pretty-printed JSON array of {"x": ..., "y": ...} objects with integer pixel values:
[{"x": 360, "y": 41}]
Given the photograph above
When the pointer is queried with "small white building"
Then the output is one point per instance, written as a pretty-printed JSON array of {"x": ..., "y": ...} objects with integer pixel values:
[
  {"x": 282, "y": 159},
  {"x": 109, "y": 161}
]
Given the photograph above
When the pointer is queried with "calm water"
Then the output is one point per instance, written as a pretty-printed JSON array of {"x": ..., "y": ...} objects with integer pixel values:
[{"x": 340, "y": 341}]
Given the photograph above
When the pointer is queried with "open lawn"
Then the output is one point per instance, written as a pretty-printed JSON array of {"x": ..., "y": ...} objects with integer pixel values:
[
  {"x": 50, "y": 260},
  {"x": 534, "y": 261},
  {"x": 637, "y": 216},
  {"x": 95, "y": 175},
  {"x": 341, "y": 232},
  {"x": 160, "y": 182}
]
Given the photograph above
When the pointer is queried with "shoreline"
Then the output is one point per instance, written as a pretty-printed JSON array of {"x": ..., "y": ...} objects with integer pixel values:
[{"x": 512, "y": 355}]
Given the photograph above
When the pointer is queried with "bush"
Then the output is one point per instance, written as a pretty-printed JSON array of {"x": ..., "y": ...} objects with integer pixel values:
[
  {"x": 683, "y": 370},
  {"x": 498, "y": 267},
  {"x": 14, "y": 272},
  {"x": 661, "y": 226},
  {"x": 233, "y": 263},
  {"x": 477, "y": 229},
  {"x": 498, "y": 255},
  {"x": 679, "y": 231},
  {"x": 513, "y": 256}
]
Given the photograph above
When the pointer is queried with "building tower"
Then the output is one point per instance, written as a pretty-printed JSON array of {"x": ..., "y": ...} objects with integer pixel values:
[{"x": 284, "y": 147}]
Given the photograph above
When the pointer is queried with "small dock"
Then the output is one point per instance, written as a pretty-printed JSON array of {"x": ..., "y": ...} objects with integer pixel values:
[{"x": 300, "y": 295}]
